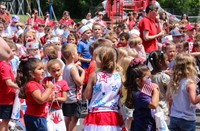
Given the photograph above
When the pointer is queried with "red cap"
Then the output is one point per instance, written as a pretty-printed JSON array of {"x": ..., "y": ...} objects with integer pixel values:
[{"x": 189, "y": 27}]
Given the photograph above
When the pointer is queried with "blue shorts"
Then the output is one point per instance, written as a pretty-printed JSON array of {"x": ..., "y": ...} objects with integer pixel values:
[
  {"x": 5, "y": 111},
  {"x": 34, "y": 123},
  {"x": 178, "y": 124}
]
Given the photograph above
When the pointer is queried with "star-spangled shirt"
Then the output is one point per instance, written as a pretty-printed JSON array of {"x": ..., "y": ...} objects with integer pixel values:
[{"x": 105, "y": 95}]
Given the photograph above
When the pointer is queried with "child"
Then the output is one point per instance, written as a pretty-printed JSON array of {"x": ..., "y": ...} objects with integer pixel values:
[
  {"x": 14, "y": 62},
  {"x": 83, "y": 47},
  {"x": 137, "y": 78},
  {"x": 7, "y": 93},
  {"x": 31, "y": 71},
  {"x": 128, "y": 112},
  {"x": 113, "y": 37},
  {"x": 124, "y": 37},
  {"x": 136, "y": 44},
  {"x": 72, "y": 38},
  {"x": 169, "y": 49},
  {"x": 61, "y": 88},
  {"x": 32, "y": 48},
  {"x": 103, "y": 89},
  {"x": 159, "y": 62},
  {"x": 71, "y": 108},
  {"x": 182, "y": 93}
]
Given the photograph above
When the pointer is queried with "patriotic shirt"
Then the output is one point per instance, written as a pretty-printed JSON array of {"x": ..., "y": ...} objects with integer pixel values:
[{"x": 105, "y": 95}]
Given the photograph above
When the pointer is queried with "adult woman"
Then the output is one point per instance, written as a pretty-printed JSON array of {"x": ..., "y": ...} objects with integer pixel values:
[
  {"x": 47, "y": 20},
  {"x": 34, "y": 20},
  {"x": 88, "y": 19},
  {"x": 66, "y": 19}
]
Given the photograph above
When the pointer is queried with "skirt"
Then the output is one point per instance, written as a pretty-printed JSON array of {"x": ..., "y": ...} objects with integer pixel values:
[{"x": 103, "y": 121}]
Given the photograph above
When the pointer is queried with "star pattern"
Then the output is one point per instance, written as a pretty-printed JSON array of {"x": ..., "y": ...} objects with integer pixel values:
[
  {"x": 97, "y": 88},
  {"x": 114, "y": 88},
  {"x": 103, "y": 77},
  {"x": 116, "y": 76}
]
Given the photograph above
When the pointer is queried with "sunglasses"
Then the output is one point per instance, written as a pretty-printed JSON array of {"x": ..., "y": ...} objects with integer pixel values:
[{"x": 3, "y": 8}]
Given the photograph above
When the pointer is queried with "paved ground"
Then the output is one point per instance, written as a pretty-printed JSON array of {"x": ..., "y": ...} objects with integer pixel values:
[{"x": 80, "y": 125}]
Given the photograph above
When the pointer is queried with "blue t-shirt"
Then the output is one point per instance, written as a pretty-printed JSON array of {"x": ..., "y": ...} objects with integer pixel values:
[
  {"x": 83, "y": 49},
  {"x": 143, "y": 116}
]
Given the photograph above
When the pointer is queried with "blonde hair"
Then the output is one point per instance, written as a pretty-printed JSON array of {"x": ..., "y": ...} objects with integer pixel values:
[
  {"x": 107, "y": 57},
  {"x": 67, "y": 50},
  {"x": 111, "y": 35},
  {"x": 122, "y": 52},
  {"x": 134, "y": 41},
  {"x": 125, "y": 63},
  {"x": 184, "y": 67},
  {"x": 53, "y": 62}
]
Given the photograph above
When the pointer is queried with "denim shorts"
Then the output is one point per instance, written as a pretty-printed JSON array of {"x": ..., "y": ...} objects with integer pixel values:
[
  {"x": 178, "y": 124},
  {"x": 5, "y": 111},
  {"x": 34, "y": 123}
]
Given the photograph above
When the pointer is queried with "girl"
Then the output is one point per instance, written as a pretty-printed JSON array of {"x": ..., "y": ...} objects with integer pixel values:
[
  {"x": 7, "y": 92},
  {"x": 137, "y": 79},
  {"x": 54, "y": 67},
  {"x": 73, "y": 38},
  {"x": 159, "y": 62},
  {"x": 169, "y": 49},
  {"x": 103, "y": 89},
  {"x": 71, "y": 108},
  {"x": 31, "y": 72},
  {"x": 136, "y": 44},
  {"x": 182, "y": 93},
  {"x": 128, "y": 112}
]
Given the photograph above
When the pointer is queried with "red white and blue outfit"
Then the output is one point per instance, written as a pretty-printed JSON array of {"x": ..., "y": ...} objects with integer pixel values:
[{"x": 104, "y": 105}]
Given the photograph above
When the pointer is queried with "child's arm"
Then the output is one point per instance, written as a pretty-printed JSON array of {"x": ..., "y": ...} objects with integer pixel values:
[
  {"x": 191, "y": 89},
  {"x": 11, "y": 84},
  {"x": 88, "y": 89},
  {"x": 40, "y": 97},
  {"x": 76, "y": 77},
  {"x": 63, "y": 98},
  {"x": 84, "y": 59},
  {"x": 155, "y": 98}
]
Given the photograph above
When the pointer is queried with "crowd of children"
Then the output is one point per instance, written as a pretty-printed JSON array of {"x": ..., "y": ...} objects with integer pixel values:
[{"x": 102, "y": 67}]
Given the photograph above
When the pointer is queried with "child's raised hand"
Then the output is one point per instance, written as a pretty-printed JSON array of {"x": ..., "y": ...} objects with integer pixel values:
[
  {"x": 80, "y": 68},
  {"x": 49, "y": 84},
  {"x": 78, "y": 63}
]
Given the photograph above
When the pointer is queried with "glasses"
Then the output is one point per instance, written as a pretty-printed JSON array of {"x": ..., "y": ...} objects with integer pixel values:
[
  {"x": 3, "y": 8},
  {"x": 36, "y": 13}
]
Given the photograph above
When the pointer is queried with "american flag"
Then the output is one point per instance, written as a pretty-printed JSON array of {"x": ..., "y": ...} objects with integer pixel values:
[{"x": 147, "y": 88}]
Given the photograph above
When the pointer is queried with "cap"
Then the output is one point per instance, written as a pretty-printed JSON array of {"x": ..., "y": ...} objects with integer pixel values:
[
  {"x": 32, "y": 45},
  {"x": 83, "y": 29},
  {"x": 189, "y": 27},
  {"x": 175, "y": 33},
  {"x": 15, "y": 18}
]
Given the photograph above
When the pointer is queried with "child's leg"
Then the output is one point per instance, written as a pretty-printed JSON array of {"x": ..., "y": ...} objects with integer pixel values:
[
  {"x": 72, "y": 126},
  {"x": 4, "y": 125},
  {"x": 128, "y": 123},
  {"x": 67, "y": 122}
]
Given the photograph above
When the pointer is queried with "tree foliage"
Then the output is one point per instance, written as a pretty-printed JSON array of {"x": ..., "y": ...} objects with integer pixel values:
[{"x": 79, "y": 8}]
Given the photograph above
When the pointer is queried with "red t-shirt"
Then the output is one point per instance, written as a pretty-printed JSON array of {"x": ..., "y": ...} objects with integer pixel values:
[
  {"x": 33, "y": 108},
  {"x": 66, "y": 22},
  {"x": 60, "y": 87},
  {"x": 7, "y": 94},
  {"x": 148, "y": 25},
  {"x": 50, "y": 23},
  {"x": 90, "y": 70},
  {"x": 36, "y": 22}
]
